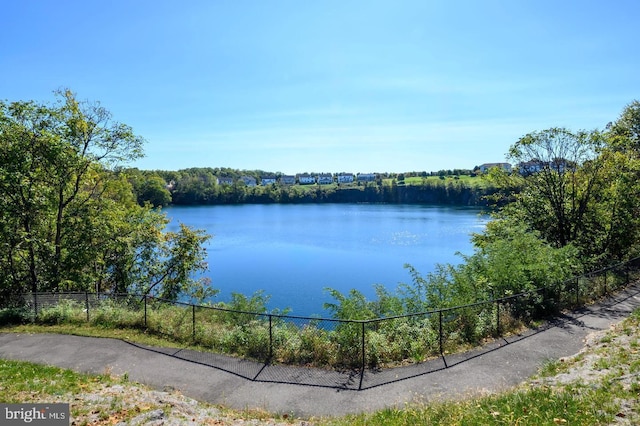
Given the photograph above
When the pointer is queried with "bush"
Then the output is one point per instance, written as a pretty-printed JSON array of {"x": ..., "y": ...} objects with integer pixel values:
[
  {"x": 65, "y": 311},
  {"x": 306, "y": 345},
  {"x": 111, "y": 314},
  {"x": 16, "y": 315}
]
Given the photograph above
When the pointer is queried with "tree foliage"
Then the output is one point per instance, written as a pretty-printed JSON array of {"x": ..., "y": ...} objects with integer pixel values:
[
  {"x": 572, "y": 204},
  {"x": 68, "y": 217},
  {"x": 556, "y": 197},
  {"x": 199, "y": 186},
  {"x": 625, "y": 131},
  {"x": 578, "y": 188},
  {"x": 149, "y": 187}
]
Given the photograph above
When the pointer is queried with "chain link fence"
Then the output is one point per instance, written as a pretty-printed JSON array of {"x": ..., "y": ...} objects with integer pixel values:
[{"x": 293, "y": 347}]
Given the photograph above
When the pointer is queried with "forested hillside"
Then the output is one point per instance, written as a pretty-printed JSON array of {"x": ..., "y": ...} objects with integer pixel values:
[{"x": 201, "y": 186}]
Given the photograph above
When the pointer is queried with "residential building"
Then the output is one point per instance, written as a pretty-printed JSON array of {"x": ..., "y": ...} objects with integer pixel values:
[
  {"x": 306, "y": 179},
  {"x": 530, "y": 167},
  {"x": 249, "y": 180},
  {"x": 366, "y": 177},
  {"x": 345, "y": 178},
  {"x": 325, "y": 178},
  {"x": 559, "y": 165},
  {"x": 288, "y": 180},
  {"x": 487, "y": 166},
  {"x": 224, "y": 181},
  {"x": 268, "y": 180}
]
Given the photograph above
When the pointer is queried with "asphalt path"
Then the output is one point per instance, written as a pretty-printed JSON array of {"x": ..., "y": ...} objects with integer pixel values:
[{"x": 303, "y": 392}]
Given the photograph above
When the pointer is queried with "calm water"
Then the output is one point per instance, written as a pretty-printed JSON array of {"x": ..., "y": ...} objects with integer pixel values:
[{"x": 294, "y": 252}]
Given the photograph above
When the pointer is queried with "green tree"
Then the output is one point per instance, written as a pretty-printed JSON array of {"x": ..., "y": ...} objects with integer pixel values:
[
  {"x": 511, "y": 258},
  {"x": 579, "y": 188},
  {"x": 562, "y": 174},
  {"x": 171, "y": 263},
  {"x": 68, "y": 218},
  {"x": 621, "y": 214},
  {"x": 625, "y": 131},
  {"x": 153, "y": 190}
]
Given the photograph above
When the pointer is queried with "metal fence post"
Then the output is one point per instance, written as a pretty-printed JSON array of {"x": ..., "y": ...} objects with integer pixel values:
[
  {"x": 86, "y": 304},
  {"x": 577, "y": 291},
  {"x": 497, "y": 317},
  {"x": 363, "y": 348},
  {"x": 193, "y": 321},
  {"x": 440, "y": 330},
  {"x": 270, "y": 337},
  {"x": 605, "y": 283},
  {"x": 145, "y": 311},
  {"x": 35, "y": 305}
]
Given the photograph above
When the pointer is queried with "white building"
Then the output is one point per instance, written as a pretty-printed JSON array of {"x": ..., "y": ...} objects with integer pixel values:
[
  {"x": 366, "y": 177},
  {"x": 325, "y": 178},
  {"x": 345, "y": 178},
  {"x": 224, "y": 181},
  {"x": 288, "y": 180},
  {"x": 484, "y": 168},
  {"x": 306, "y": 179}
]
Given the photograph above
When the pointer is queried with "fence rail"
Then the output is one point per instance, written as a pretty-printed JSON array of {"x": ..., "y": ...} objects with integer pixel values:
[{"x": 379, "y": 343}]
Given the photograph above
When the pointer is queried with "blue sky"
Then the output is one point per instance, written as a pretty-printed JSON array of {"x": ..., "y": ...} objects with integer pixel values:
[{"x": 356, "y": 86}]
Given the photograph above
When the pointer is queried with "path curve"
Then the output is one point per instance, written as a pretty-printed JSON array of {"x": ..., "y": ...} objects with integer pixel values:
[{"x": 498, "y": 367}]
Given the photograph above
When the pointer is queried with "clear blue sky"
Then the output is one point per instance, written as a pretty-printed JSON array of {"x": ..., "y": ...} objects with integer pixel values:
[{"x": 354, "y": 86}]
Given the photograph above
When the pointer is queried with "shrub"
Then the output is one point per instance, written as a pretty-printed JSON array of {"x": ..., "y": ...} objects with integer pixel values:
[
  {"x": 16, "y": 315},
  {"x": 306, "y": 345},
  {"x": 111, "y": 314},
  {"x": 65, "y": 311}
]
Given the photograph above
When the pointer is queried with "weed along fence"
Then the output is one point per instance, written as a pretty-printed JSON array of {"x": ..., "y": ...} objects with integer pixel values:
[{"x": 353, "y": 354}]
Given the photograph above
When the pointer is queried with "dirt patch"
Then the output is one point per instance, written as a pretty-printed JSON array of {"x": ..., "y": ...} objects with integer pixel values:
[
  {"x": 612, "y": 354},
  {"x": 132, "y": 404}
]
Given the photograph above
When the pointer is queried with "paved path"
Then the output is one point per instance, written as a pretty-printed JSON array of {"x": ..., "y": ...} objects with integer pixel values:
[{"x": 243, "y": 384}]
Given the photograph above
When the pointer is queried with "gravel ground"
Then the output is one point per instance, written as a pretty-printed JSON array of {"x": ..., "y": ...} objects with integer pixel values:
[
  {"x": 132, "y": 404},
  {"x": 598, "y": 361}
]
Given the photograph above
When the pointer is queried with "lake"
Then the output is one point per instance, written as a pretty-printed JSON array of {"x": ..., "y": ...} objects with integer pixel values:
[{"x": 294, "y": 251}]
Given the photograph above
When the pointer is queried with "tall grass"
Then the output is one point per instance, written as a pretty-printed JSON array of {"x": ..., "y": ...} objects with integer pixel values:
[{"x": 288, "y": 340}]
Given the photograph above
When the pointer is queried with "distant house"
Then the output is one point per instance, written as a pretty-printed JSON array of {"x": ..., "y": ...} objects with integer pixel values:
[
  {"x": 306, "y": 179},
  {"x": 559, "y": 165},
  {"x": 268, "y": 180},
  {"x": 325, "y": 178},
  {"x": 249, "y": 180},
  {"x": 484, "y": 168},
  {"x": 530, "y": 167},
  {"x": 224, "y": 181},
  {"x": 366, "y": 177},
  {"x": 345, "y": 178},
  {"x": 288, "y": 180}
]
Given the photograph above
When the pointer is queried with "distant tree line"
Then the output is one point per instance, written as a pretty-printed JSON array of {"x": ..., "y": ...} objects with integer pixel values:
[{"x": 200, "y": 186}]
